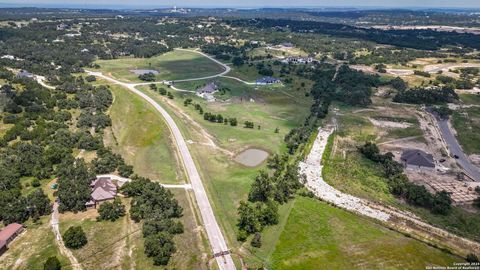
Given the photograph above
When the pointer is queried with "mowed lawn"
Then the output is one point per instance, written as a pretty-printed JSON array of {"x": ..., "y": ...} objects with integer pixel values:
[
  {"x": 141, "y": 136},
  {"x": 319, "y": 236},
  {"x": 174, "y": 65}
]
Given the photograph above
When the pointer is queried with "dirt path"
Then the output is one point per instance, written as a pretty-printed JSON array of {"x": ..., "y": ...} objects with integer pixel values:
[
  {"x": 405, "y": 222},
  {"x": 58, "y": 239}
]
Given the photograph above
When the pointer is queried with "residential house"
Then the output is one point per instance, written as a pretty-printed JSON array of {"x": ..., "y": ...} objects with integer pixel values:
[
  {"x": 207, "y": 91},
  {"x": 63, "y": 26},
  {"x": 8, "y": 234},
  {"x": 25, "y": 74},
  {"x": 417, "y": 159},
  {"x": 103, "y": 189},
  {"x": 298, "y": 60},
  {"x": 267, "y": 80}
]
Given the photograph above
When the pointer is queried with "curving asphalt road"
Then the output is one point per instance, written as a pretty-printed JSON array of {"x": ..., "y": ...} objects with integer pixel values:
[
  {"x": 215, "y": 236},
  {"x": 455, "y": 149}
]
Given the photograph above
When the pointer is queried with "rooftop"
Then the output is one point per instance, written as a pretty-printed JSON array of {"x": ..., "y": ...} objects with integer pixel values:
[
  {"x": 10, "y": 230},
  {"x": 418, "y": 157},
  {"x": 103, "y": 189},
  {"x": 209, "y": 88}
]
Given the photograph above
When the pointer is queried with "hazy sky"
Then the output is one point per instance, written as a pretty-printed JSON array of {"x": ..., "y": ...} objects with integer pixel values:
[{"x": 254, "y": 3}]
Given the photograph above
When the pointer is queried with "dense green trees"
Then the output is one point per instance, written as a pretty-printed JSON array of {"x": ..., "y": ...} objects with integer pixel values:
[
  {"x": 38, "y": 204},
  {"x": 430, "y": 95},
  {"x": 74, "y": 237},
  {"x": 148, "y": 77},
  {"x": 111, "y": 210},
  {"x": 74, "y": 178},
  {"x": 158, "y": 208}
]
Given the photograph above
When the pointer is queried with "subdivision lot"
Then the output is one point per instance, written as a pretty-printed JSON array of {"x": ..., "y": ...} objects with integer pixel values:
[
  {"x": 173, "y": 65},
  {"x": 141, "y": 136}
]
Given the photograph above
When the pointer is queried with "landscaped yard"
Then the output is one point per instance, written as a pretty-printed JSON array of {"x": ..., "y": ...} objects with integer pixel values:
[{"x": 173, "y": 65}]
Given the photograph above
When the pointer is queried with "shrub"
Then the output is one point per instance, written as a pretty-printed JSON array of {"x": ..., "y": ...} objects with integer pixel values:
[
  {"x": 75, "y": 237},
  {"x": 52, "y": 263},
  {"x": 111, "y": 211},
  {"x": 256, "y": 240}
]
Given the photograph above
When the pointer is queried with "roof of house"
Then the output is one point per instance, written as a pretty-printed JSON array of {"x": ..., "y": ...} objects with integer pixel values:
[
  {"x": 418, "y": 157},
  {"x": 3, "y": 244},
  {"x": 24, "y": 74},
  {"x": 209, "y": 88},
  {"x": 10, "y": 230},
  {"x": 268, "y": 80},
  {"x": 103, "y": 189}
]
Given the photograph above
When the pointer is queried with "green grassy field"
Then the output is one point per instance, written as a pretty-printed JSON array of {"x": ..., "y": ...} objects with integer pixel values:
[
  {"x": 470, "y": 99},
  {"x": 141, "y": 136},
  {"x": 318, "y": 235},
  {"x": 467, "y": 124},
  {"x": 173, "y": 65}
]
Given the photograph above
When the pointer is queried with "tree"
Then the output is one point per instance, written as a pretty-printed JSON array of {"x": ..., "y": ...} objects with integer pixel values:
[
  {"x": 74, "y": 180},
  {"x": 262, "y": 188},
  {"x": 248, "y": 124},
  {"x": 148, "y": 77},
  {"x": 399, "y": 84},
  {"x": 52, "y": 263},
  {"x": 256, "y": 240},
  {"x": 248, "y": 219},
  {"x": 111, "y": 210},
  {"x": 237, "y": 61},
  {"x": 74, "y": 237},
  {"x": 38, "y": 204},
  {"x": 233, "y": 122},
  {"x": 472, "y": 258},
  {"x": 160, "y": 246},
  {"x": 442, "y": 203}
]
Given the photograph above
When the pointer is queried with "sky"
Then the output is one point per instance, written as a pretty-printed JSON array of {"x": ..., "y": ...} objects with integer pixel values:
[{"x": 250, "y": 3}]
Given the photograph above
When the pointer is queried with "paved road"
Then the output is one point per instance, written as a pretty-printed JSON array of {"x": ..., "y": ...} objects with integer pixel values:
[
  {"x": 455, "y": 149},
  {"x": 215, "y": 236}
]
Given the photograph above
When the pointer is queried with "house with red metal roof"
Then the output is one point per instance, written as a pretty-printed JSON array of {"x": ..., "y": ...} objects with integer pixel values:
[{"x": 8, "y": 234}]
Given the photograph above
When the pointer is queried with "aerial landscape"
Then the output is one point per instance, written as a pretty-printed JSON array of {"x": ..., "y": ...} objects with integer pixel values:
[{"x": 269, "y": 135}]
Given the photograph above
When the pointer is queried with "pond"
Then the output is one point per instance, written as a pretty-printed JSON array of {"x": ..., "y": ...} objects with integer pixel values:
[
  {"x": 251, "y": 157},
  {"x": 143, "y": 71}
]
